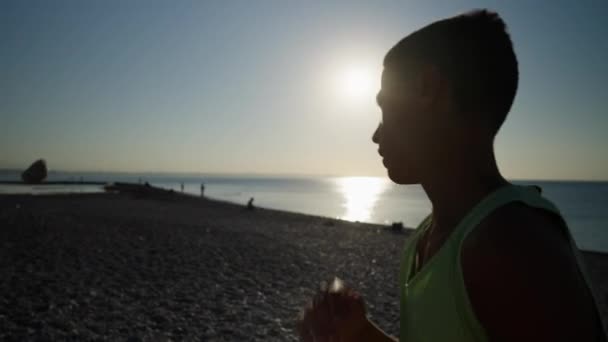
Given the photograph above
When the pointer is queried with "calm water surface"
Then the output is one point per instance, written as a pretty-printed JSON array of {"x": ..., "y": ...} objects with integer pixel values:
[{"x": 365, "y": 199}]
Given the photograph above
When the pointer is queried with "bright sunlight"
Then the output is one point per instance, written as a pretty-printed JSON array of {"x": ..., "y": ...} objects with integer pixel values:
[
  {"x": 359, "y": 82},
  {"x": 360, "y": 196}
]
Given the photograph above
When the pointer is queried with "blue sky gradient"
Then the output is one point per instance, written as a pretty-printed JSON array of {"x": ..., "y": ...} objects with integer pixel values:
[{"x": 248, "y": 87}]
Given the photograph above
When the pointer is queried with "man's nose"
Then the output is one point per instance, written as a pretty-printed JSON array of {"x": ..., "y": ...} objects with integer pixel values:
[{"x": 377, "y": 132}]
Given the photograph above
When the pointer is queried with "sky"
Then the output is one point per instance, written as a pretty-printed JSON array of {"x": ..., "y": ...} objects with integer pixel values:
[{"x": 265, "y": 86}]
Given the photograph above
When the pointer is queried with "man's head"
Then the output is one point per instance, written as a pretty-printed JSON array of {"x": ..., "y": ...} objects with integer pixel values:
[{"x": 445, "y": 88}]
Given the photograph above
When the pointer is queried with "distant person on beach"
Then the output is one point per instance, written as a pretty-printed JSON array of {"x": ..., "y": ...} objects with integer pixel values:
[
  {"x": 202, "y": 189},
  {"x": 181, "y": 187},
  {"x": 493, "y": 261},
  {"x": 250, "y": 204}
]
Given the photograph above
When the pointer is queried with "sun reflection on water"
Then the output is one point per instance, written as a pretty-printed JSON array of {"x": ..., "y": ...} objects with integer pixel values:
[{"x": 360, "y": 195}]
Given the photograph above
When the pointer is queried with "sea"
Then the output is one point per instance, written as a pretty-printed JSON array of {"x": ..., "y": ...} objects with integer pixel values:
[{"x": 365, "y": 199}]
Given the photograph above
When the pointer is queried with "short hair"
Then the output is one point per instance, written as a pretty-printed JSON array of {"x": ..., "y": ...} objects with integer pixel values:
[{"x": 475, "y": 53}]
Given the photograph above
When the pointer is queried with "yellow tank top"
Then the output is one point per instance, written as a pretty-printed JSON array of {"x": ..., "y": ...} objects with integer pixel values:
[{"x": 434, "y": 302}]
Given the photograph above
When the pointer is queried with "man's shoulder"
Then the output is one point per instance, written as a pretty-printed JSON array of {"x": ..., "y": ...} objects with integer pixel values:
[
  {"x": 526, "y": 241},
  {"x": 520, "y": 257},
  {"x": 518, "y": 229}
]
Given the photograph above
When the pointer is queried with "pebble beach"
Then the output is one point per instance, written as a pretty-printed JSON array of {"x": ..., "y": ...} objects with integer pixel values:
[{"x": 119, "y": 267}]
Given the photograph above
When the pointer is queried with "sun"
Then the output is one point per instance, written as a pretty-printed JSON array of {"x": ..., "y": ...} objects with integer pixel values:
[{"x": 358, "y": 82}]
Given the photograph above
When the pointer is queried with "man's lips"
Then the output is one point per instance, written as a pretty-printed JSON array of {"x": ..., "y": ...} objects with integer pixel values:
[{"x": 383, "y": 157}]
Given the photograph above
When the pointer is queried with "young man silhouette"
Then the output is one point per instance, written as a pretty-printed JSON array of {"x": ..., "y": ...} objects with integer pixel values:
[{"x": 494, "y": 261}]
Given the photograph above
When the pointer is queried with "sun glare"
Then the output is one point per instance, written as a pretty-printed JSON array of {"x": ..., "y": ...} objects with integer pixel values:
[
  {"x": 360, "y": 196},
  {"x": 359, "y": 83}
]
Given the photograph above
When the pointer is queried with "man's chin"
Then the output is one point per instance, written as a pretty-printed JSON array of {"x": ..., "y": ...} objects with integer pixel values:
[{"x": 401, "y": 177}]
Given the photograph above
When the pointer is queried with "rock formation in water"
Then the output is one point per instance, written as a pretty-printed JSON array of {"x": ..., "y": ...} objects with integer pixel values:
[{"x": 36, "y": 173}]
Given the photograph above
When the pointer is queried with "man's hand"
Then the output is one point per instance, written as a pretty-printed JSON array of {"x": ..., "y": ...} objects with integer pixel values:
[{"x": 336, "y": 313}]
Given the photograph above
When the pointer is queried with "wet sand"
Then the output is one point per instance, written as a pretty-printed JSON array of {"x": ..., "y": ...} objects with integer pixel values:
[{"x": 118, "y": 267}]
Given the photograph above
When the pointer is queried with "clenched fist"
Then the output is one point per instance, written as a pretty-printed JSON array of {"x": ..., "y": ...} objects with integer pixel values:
[{"x": 336, "y": 314}]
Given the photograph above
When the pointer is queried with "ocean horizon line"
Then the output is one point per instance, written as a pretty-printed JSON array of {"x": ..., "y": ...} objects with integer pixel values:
[{"x": 262, "y": 175}]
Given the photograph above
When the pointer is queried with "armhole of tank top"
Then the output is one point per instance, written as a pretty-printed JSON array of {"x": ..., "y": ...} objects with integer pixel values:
[
  {"x": 499, "y": 198},
  {"x": 542, "y": 203},
  {"x": 531, "y": 197}
]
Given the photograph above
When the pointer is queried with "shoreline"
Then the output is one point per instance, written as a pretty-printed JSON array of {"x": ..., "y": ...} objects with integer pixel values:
[
  {"x": 167, "y": 265},
  {"x": 52, "y": 183},
  {"x": 188, "y": 196}
]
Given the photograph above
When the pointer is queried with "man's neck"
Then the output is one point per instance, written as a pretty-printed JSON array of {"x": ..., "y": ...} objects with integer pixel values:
[{"x": 453, "y": 193}]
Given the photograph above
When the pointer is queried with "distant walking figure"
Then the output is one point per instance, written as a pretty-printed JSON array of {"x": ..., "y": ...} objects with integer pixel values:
[
  {"x": 250, "y": 204},
  {"x": 202, "y": 189}
]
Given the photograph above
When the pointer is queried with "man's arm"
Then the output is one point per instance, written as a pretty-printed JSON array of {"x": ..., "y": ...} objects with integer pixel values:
[{"x": 523, "y": 281}]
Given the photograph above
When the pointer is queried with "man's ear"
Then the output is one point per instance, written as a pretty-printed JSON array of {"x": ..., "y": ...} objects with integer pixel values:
[{"x": 428, "y": 85}]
